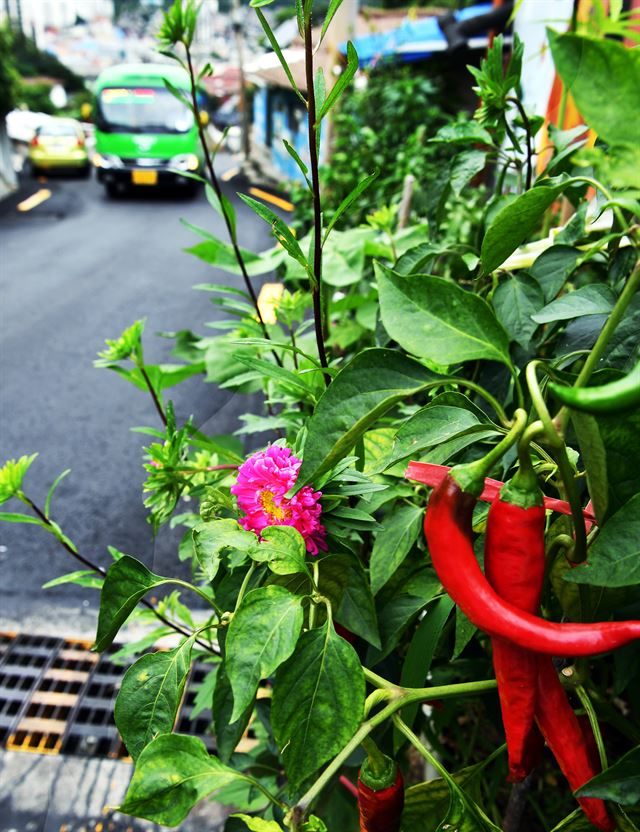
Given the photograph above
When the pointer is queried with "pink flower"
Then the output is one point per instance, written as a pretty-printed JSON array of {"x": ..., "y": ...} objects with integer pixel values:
[{"x": 263, "y": 480}]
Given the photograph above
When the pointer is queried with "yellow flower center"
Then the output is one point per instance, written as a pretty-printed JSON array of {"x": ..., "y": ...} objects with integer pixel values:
[{"x": 267, "y": 503}]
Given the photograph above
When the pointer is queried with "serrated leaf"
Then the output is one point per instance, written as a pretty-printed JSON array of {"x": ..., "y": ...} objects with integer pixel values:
[
  {"x": 436, "y": 319},
  {"x": 364, "y": 390},
  {"x": 318, "y": 701},
  {"x": 126, "y": 582},
  {"x": 262, "y": 634},
  {"x": 172, "y": 774},
  {"x": 211, "y": 538},
  {"x": 283, "y": 549},
  {"x": 150, "y": 694}
]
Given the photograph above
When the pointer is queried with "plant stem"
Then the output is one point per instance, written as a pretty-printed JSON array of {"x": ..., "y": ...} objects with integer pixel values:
[
  {"x": 399, "y": 701},
  {"x": 199, "y": 592},
  {"x": 421, "y": 747},
  {"x": 593, "y": 721},
  {"x": 316, "y": 288},
  {"x": 154, "y": 395},
  {"x": 218, "y": 191},
  {"x": 245, "y": 583},
  {"x": 560, "y": 421},
  {"x": 71, "y": 549},
  {"x": 527, "y": 127}
]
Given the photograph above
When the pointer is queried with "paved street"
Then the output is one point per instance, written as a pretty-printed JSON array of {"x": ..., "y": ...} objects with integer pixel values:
[{"x": 77, "y": 269}]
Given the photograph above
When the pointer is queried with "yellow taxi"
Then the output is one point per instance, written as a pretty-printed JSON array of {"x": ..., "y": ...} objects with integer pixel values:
[{"x": 59, "y": 144}]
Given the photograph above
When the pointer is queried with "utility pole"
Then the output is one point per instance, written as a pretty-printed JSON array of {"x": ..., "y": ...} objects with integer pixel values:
[{"x": 237, "y": 17}]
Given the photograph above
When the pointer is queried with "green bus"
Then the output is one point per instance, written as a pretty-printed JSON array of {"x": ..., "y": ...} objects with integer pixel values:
[{"x": 144, "y": 135}]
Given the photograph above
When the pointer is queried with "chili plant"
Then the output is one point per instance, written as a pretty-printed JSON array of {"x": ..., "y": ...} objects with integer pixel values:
[{"x": 349, "y": 642}]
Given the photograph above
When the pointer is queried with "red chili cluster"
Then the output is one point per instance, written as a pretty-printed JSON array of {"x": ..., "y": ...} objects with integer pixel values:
[{"x": 505, "y": 604}]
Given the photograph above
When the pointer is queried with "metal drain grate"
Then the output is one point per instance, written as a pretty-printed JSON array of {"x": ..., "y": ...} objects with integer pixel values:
[{"x": 56, "y": 696}]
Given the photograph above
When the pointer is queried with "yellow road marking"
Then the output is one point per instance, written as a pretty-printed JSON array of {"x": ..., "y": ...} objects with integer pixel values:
[
  {"x": 268, "y": 299},
  {"x": 230, "y": 174},
  {"x": 275, "y": 200},
  {"x": 34, "y": 200}
]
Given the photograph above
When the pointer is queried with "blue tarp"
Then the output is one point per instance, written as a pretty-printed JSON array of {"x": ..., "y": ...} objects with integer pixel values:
[{"x": 412, "y": 41}]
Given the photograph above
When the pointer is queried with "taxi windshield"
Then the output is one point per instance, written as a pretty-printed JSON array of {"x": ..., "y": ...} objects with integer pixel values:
[{"x": 141, "y": 110}]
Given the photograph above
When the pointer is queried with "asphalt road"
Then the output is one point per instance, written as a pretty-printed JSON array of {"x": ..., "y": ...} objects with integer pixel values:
[{"x": 75, "y": 270}]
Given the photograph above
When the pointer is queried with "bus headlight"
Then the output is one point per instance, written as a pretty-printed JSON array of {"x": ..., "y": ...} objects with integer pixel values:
[{"x": 186, "y": 161}]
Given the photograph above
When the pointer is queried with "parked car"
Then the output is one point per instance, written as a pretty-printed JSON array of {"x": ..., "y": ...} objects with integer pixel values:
[{"x": 59, "y": 144}]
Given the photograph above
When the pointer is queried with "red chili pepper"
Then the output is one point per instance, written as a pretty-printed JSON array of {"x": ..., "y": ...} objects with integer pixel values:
[
  {"x": 564, "y": 736},
  {"x": 448, "y": 531},
  {"x": 381, "y": 809},
  {"x": 514, "y": 564}
]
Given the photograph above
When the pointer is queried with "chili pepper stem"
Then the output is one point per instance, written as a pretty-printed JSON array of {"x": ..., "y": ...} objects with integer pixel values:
[
  {"x": 377, "y": 760},
  {"x": 470, "y": 477}
]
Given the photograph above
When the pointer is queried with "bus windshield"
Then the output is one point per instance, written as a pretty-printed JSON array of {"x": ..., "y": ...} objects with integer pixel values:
[{"x": 141, "y": 110}]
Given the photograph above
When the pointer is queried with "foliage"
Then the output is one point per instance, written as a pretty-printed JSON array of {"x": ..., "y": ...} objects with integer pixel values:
[
  {"x": 430, "y": 343},
  {"x": 31, "y": 62},
  {"x": 366, "y": 139},
  {"x": 9, "y": 78}
]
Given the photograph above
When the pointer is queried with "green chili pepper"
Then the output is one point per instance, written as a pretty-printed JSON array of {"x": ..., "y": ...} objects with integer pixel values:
[{"x": 621, "y": 394}]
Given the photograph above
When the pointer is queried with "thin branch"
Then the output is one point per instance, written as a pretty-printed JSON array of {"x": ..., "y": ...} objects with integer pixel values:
[
  {"x": 71, "y": 549},
  {"x": 218, "y": 191},
  {"x": 527, "y": 127},
  {"x": 154, "y": 395},
  {"x": 316, "y": 288}
]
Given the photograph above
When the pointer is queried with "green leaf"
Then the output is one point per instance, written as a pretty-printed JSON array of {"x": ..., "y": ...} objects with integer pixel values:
[
  {"x": 18, "y": 517},
  {"x": 614, "y": 559},
  {"x": 210, "y": 539},
  {"x": 126, "y": 582},
  {"x": 594, "y": 299},
  {"x": 400, "y": 530},
  {"x": 344, "y": 580},
  {"x": 466, "y": 132},
  {"x": 172, "y": 774},
  {"x": 419, "y": 656},
  {"x": 223, "y": 206},
  {"x": 320, "y": 92},
  {"x": 11, "y": 475},
  {"x": 318, "y": 701},
  {"x": 82, "y": 577},
  {"x": 271, "y": 370},
  {"x": 364, "y": 390},
  {"x": 342, "y": 83},
  {"x": 276, "y": 48},
  {"x": 150, "y": 694},
  {"x": 619, "y": 434},
  {"x": 258, "y": 824},
  {"x": 262, "y": 634},
  {"x": 334, "y": 5},
  {"x": 279, "y": 228},
  {"x": 222, "y": 256},
  {"x": 429, "y": 426},
  {"x": 587, "y": 66},
  {"x": 296, "y": 158},
  {"x": 464, "y": 167},
  {"x": 228, "y": 734},
  {"x": 619, "y": 783},
  {"x": 436, "y": 319},
  {"x": 348, "y": 201},
  {"x": 515, "y": 301},
  {"x": 595, "y": 460},
  {"x": 56, "y": 483},
  {"x": 515, "y": 223},
  {"x": 283, "y": 549},
  {"x": 553, "y": 267}
]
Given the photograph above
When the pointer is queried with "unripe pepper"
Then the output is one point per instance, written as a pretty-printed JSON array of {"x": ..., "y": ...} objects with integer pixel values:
[
  {"x": 514, "y": 564},
  {"x": 448, "y": 531},
  {"x": 618, "y": 395},
  {"x": 380, "y": 795}
]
